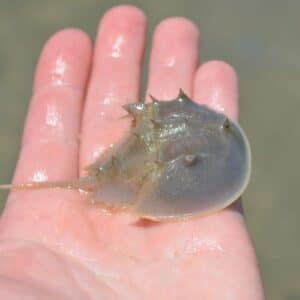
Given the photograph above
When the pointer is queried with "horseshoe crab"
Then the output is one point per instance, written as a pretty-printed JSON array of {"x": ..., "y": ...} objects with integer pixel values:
[{"x": 180, "y": 159}]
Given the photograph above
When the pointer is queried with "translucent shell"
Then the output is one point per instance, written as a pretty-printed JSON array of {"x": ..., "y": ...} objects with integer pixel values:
[{"x": 179, "y": 160}]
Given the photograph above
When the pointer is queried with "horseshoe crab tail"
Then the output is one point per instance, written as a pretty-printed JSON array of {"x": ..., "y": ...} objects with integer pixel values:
[{"x": 85, "y": 183}]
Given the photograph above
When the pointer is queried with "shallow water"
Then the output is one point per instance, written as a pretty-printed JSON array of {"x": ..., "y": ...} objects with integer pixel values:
[{"x": 260, "y": 39}]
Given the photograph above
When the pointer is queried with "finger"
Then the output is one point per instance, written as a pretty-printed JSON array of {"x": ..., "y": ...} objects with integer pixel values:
[
  {"x": 50, "y": 139},
  {"x": 216, "y": 85},
  {"x": 174, "y": 58},
  {"x": 114, "y": 81}
]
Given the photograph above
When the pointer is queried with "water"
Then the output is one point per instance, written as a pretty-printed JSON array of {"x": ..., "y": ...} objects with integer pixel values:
[{"x": 259, "y": 38}]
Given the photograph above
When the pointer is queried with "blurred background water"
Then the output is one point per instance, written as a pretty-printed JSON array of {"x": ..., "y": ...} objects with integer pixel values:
[{"x": 259, "y": 38}]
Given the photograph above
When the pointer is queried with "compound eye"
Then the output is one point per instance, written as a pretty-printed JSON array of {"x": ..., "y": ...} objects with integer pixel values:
[{"x": 191, "y": 159}]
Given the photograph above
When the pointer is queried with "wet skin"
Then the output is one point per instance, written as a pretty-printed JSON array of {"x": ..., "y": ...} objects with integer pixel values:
[{"x": 53, "y": 245}]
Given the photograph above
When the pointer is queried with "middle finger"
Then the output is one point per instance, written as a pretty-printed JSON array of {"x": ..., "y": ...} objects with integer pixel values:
[
  {"x": 114, "y": 80},
  {"x": 174, "y": 58}
]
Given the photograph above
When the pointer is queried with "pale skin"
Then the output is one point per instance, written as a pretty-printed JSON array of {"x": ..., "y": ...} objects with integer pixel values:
[{"x": 53, "y": 243}]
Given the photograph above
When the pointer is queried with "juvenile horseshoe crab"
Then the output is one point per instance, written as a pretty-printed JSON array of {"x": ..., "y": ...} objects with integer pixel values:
[{"x": 180, "y": 159}]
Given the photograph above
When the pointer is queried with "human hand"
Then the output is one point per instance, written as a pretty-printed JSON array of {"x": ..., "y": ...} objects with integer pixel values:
[{"x": 53, "y": 244}]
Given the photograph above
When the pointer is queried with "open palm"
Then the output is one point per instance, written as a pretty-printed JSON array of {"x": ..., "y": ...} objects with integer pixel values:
[{"x": 53, "y": 243}]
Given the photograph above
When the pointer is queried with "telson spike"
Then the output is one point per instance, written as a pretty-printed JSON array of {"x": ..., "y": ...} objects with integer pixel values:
[
  {"x": 182, "y": 94},
  {"x": 126, "y": 107},
  {"x": 134, "y": 109},
  {"x": 84, "y": 183},
  {"x": 153, "y": 99},
  {"x": 226, "y": 124}
]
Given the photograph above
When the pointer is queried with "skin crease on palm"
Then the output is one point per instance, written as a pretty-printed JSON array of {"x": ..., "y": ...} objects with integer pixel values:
[{"x": 55, "y": 245}]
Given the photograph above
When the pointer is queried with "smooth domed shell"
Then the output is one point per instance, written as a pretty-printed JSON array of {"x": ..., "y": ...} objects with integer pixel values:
[
  {"x": 204, "y": 162},
  {"x": 180, "y": 159}
]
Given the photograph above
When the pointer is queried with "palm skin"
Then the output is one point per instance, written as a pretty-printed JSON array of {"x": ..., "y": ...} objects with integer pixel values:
[{"x": 53, "y": 243}]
